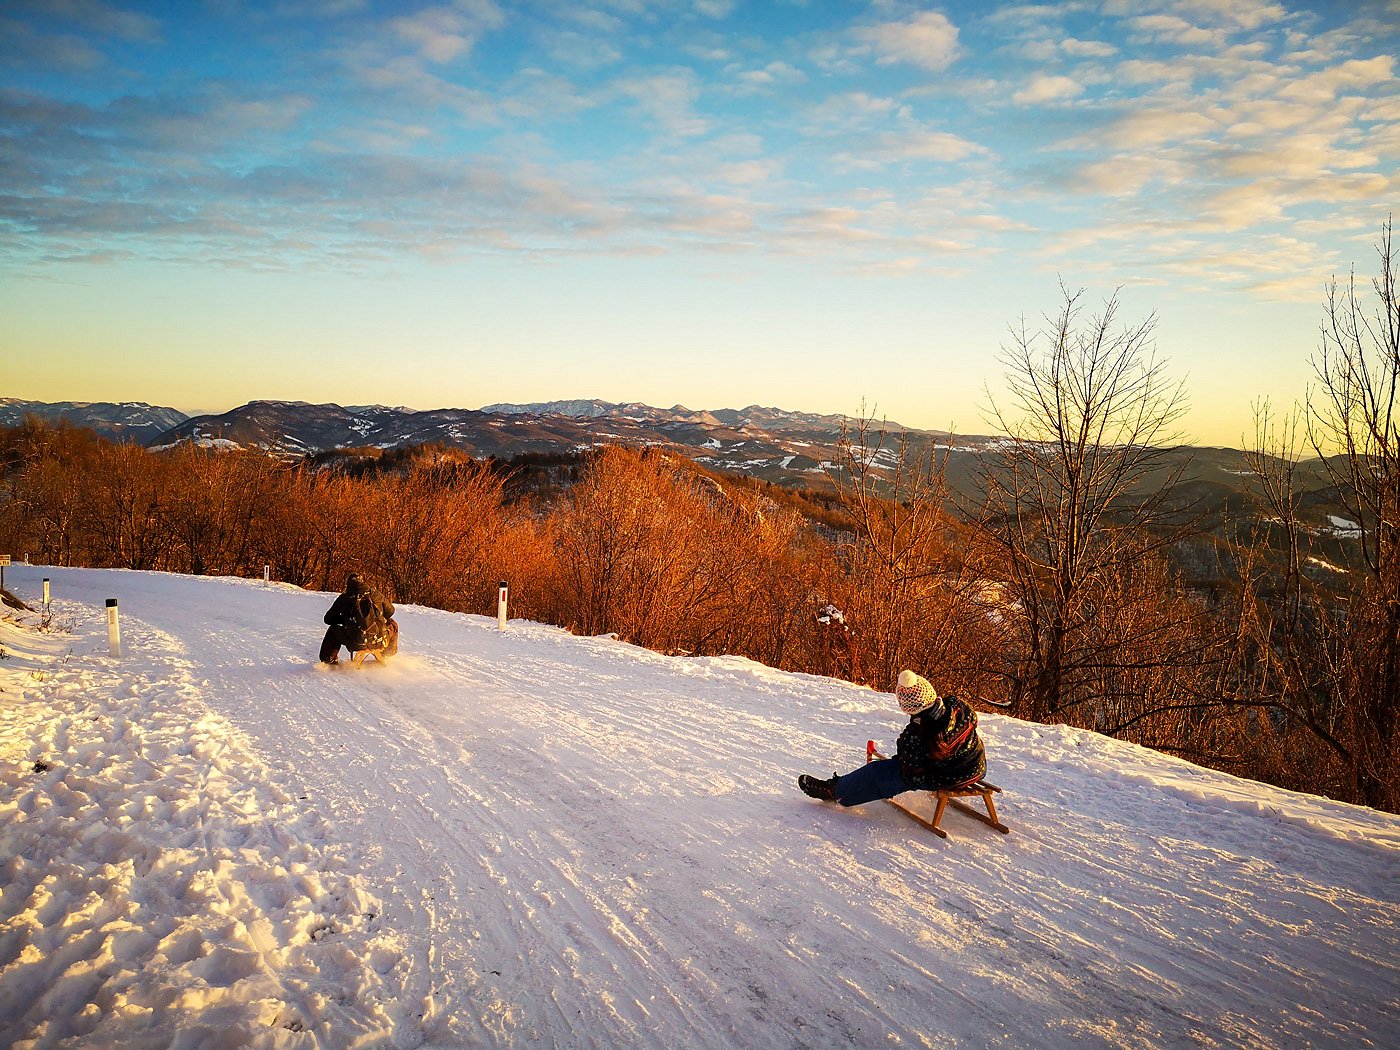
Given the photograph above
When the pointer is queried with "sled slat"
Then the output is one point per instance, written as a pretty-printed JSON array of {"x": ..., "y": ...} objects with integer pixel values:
[{"x": 979, "y": 789}]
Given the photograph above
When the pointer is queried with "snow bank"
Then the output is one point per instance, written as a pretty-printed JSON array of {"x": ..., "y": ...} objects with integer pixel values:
[{"x": 160, "y": 887}]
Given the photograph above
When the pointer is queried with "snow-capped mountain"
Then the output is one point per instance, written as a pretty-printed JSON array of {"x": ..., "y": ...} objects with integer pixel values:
[
  {"x": 520, "y": 837},
  {"x": 130, "y": 421},
  {"x": 770, "y": 443}
]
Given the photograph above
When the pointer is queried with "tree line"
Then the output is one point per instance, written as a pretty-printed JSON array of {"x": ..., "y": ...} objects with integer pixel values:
[{"x": 1059, "y": 591}]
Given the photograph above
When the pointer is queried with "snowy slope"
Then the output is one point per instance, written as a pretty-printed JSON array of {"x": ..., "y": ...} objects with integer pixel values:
[{"x": 524, "y": 838}]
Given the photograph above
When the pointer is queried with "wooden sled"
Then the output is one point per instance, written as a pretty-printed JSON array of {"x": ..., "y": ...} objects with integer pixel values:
[
  {"x": 358, "y": 657},
  {"x": 947, "y": 797},
  {"x": 383, "y": 652}
]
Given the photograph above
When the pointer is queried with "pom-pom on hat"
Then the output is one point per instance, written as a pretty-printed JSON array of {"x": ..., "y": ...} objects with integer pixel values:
[{"x": 915, "y": 694}]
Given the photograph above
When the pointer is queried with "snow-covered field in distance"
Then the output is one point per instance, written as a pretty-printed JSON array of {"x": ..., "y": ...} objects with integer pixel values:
[{"x": 526, "y": 838}]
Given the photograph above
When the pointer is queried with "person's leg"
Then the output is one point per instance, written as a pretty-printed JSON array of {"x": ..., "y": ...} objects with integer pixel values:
[
  {"x": 391, "y": 646},
  {"x": 874, "y": 780},
  {"x": 330, "y": 646}
]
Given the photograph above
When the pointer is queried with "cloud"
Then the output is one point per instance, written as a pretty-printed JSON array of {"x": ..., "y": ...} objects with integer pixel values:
[
  {"x": 1175, "y": 30},
  {"x": 1087, "y": 48},
  {"x": 442, "y": 34},
  {"x": 1044, "y": 89},
  {"x": 1239, "y": 14},
  {"x": 928, "y": 40},
  {"x": 1128, "y": 175},
  {"x": 1327, "y": 84},
  {"x": 1022, "y": 14},
  {"x": 925, "y": 145},
  {"x": 852, "y": 113},
  {"x": 715, "y": 8},
  {"x": 1226, "y": 15},
  {"x": 771, "y": 75},
  {"x": 1154, "y": 126},
  {"x": 22, "y": 45},
  {"x": 668, "y": 98},
  {"x": 96, "y": 18}
]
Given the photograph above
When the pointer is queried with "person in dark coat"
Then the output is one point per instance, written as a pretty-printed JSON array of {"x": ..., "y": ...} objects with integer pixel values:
[
  {"x": 939, "y": 748},
  {"x": 350, "y": 626}
]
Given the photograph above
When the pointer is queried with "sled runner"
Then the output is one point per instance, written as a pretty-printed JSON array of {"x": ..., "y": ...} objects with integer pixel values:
[
  {"x": 358, "y": 657},
  {"x": 950, "y": 796},
  {"x": 389, "y": 639}
]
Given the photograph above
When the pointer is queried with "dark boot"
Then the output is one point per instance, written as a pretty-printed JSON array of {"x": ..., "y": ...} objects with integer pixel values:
[{"x": 822, "y": 789}]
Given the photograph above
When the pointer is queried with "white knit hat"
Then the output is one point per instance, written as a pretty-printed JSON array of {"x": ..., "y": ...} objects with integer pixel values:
[{"x": 915, "y": 694}]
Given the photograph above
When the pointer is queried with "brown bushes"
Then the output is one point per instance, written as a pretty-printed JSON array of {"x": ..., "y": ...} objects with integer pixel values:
[{"x": 650, "y": 547}]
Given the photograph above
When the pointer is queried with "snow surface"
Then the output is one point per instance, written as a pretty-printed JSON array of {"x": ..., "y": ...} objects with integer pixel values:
[{"x": 525, "y": 838}]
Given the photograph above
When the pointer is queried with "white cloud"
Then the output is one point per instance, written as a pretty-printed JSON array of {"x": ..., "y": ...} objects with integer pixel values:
[
  {"x": 1128, "y": 175},
  {"x": 1048, "y": 89},
  {"x": 1229, "y": 15},
  {"x": 715, "y": 8},
  {"x": 929, "y": 40},
  {"x": 747, "y": 173},
  {"x": 1171, "y": 29},
  {"x": 669, "y": 98},
  {"x": 926, "y": 145},
  {"x": 442, "y": 34},
  {"x": 1035, "y": 13},
  {"x": 772, "y": 74},
  {"x": 1087, "y": 48},
  {"x": 1243, "y": 14},
  {"x": 1356, "y": 74}
]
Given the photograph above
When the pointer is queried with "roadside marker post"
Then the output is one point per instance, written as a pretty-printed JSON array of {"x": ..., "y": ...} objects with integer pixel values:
[
  {"x": 114, "y": 629},
  {"x": 4, "y": 560},
  {"x": 501, "y": 600}
]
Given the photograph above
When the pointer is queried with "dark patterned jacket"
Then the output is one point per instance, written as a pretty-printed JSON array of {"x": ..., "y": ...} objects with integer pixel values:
[
  {"x": 943, "y": 752},
  {"x": 346, "y": 615}
]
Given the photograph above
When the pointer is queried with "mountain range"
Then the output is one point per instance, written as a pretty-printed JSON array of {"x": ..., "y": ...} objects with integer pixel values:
[
  {"x": 784, "y": 447},
  {"x": 124, "y": 421},
  {"x": 769, "y": 443}
]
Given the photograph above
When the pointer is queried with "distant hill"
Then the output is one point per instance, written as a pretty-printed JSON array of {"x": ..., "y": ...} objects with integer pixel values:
[
  {"x": 794, "y": 449},
  {"x": 768, "y": 443},
  {"x": 125, "y": 421}
]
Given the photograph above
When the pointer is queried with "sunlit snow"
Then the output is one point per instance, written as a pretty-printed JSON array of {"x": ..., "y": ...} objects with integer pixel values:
[{"x": 526, "y": 838}]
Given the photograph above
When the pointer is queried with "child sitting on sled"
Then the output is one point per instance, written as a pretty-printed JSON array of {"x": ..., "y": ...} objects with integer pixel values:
[{"x": 938, "y": 749}]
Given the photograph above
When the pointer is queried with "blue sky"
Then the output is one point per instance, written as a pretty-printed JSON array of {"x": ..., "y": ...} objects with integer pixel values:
[{"x": 712, "y": 202}]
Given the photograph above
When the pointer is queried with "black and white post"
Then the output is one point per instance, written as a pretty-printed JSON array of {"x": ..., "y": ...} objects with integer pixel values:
[
  {"x": 501, "y": 600},
  {"x": 267, "y": 574},
  {"x": 114, "y": 629},
  {"x": 46, "y": 594}
]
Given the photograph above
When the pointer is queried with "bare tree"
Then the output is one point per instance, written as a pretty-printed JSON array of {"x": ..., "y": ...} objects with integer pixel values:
[
  {"x": 1073, "y": 495},
  {"x": 1354, "y": 423},
  {"x": 914, "y": 588}
]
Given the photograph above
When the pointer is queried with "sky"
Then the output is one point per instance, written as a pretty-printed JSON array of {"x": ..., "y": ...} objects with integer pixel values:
[{"x": 820, "y": 206}]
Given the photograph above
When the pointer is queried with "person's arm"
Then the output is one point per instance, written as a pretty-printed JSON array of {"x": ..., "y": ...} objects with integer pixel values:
[{"x": 336, "y": 613}]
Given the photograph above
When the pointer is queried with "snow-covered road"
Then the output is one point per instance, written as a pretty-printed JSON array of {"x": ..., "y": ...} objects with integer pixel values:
[{"x": 524, "y": 838}]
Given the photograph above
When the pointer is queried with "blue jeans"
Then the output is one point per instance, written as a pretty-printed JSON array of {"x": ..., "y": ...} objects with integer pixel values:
[{"x": 878, "y": 779}]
